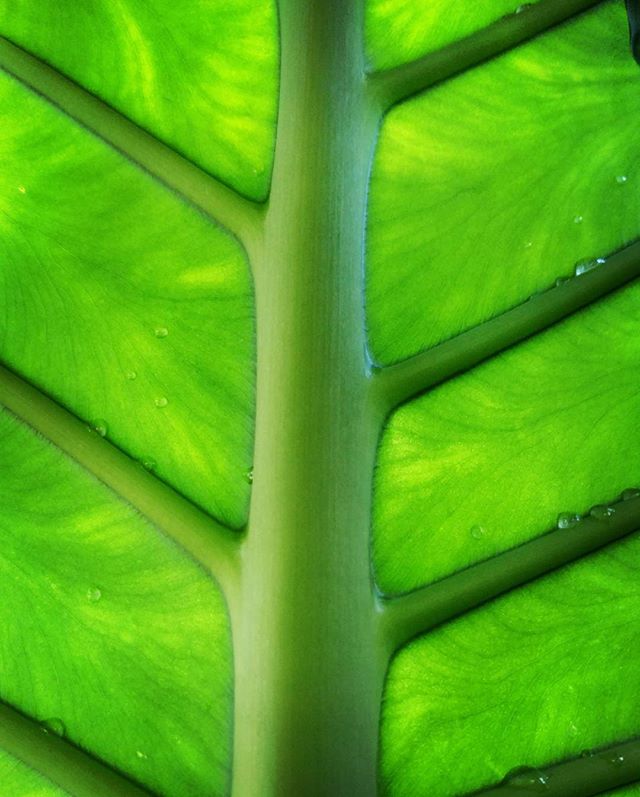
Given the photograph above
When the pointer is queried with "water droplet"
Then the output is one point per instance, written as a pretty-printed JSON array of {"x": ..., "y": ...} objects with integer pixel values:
[
  {"x": 566, "y": 520},
  {"x": 632, "y": 492},
  {"x": 54, "y": 725},
  {"x": 524, "y": 7},
  {"x": 562, "y": 281},
  {"x": 161, "y": 332},
  {"x": 142, "y": 756},
  {"x": 528, "y": 245},
  {"x": 578, "y": 219},
  {"x": 94, "y": 594},
  {"x": 587, "y": 754},
  {"x": 621, "y": 179},
  {"x": 149, "y": 463},
  {"x": 573, "y": 729},
  {"x": 100, "y": 426},
  {"x": 617, "y": 759},
  {"x": 248, "y": 475},
  {"x": 131, "y": 375},
  {"x": 600, "y": 512},
  {"x": 582, "y": 266},
  {"x": 161, "y": 401},
  {"x": 527, "y": 778},
  {"x": 477, "y": 532},
  {"x": 22, "y": 189}
]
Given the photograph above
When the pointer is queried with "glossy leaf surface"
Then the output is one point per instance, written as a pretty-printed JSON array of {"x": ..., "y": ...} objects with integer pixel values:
[
  {"x": 126, "y": 305},
  {"x": 123, "y": 641},
  {"x": 520, "y": 681},
  {"x": 495, "y": 184},
  {"x": 203, "y": 79},
  {"x": 499, "y": 455}
]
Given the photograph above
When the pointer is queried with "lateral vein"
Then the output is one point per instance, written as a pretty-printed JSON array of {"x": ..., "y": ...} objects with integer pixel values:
[
  {"x": 591, "y": 774},
  {"x": 404, "y": 617},
  {"x": 64, "y": 764},
  {"x": 209, "y": 542},
  {"x": 239, "y": 215},
  {"x": 391, "y": 86},
  {"x": 394, "y": 384}
]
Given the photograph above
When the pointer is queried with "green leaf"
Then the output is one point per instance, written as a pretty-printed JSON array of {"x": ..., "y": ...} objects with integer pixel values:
[{"x": 314, "y": 480}]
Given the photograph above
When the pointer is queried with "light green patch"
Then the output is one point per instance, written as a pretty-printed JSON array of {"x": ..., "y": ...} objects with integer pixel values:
[
  {"x": 533, "y": 678},
  {"x": 490, "y": 459},
  {"x": 493, "y": 185},
  {"x": 109, "y": 631},
  {"x": 18, "y": 780},
  {"x": 398, "y": 31},
  {"x": 126, "y": 305},
  {"x": 203, "y": 78}
]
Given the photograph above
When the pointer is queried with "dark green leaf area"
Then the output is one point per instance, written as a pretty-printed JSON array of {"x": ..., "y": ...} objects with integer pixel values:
[
  {"x": 493, "y": 185},
  {"x": 125, "y": 305},
  {"x": 111, "y": 636},
  {"x": 18, "y": 780},
  {"x": 202, "y": 79},
  {"x": 511, "y": 449},
  {"x": 532, "y": 678}
]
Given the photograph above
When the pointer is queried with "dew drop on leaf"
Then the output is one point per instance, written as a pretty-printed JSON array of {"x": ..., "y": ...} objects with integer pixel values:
[
  {"x": 22, "y": 189},
  {"x": 632, "y": 492},
  {"x": 578, "y": 219},
  {"x": 149, "y": 463},
  {"x": 566, "y": 520},
  {"x": 161, "y": 401},
  {"x": 54, "y": 725},
  {"x": 94, "y": 594},
  {"x": 477, "y": 532},
  {"x": 161, "y": 332},
  {"x": 527, "y": 779},
  {"x": 562, "y": 281},
  {"x": 602, "y": 512},
  {"x": 248, "y": 475},
  {"x": 100, "y": 427},
  {"x": 524, "y": 7},
  {"x": 131, "y": 375},
  {"x": 621, "y": 179},
  {"x": 142, "y": 756}
]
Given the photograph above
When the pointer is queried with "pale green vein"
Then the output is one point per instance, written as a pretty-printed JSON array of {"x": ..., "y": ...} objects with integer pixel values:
[
  {"x": 240, "y": 216},
  {"x": 64, "y": 764},
  {"x": 406, "y": 616},
  {"x": 394, "y": 85},
  {"x": 207, "y": 541},
  {"x": 396, "y": 383},
  {"x": 593, "y": 773}
]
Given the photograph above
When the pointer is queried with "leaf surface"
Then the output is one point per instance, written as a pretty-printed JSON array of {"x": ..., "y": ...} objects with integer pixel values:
[
  {"x": 493, "y": 185},
  {"x": 203, "y": 79}
]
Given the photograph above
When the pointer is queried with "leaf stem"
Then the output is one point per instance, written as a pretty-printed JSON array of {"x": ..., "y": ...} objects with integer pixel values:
[
  {"x": 404, "y": 617},
  {"x": 239, "y": 215},
  {"x": 397, "y": 383},
  {"x": 210, "y": 543},
  {"x": 591, "y": 774},
  {"x": 64, "y": 764},
  {"x": 391, "y": 86}
]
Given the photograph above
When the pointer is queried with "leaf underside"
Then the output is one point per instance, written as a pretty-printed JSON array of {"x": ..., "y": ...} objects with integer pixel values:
[{"x": 132, "y": 310}]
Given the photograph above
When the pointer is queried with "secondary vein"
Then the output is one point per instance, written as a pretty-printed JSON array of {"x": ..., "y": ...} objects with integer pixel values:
[
  {"x": 406, "y": 616},
  {"x": 64, "y": 764},
  {"x": 591, "y": 774},
  {"x": 397, "y": 383},
  {"x": 240, "y": 216},
  {"x": 394, "y": 85},
  {"x": 209, "y": 542}
]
